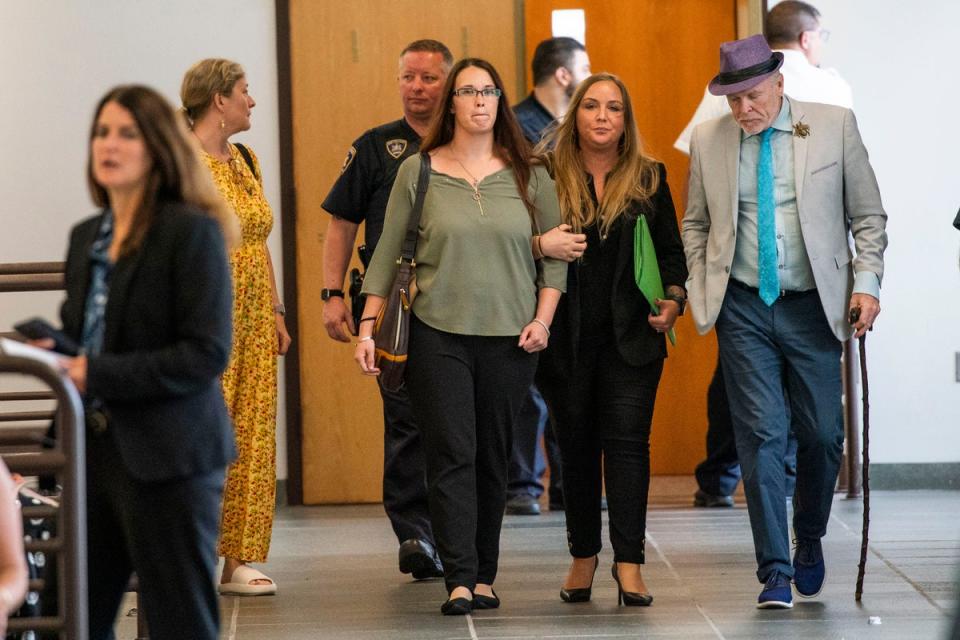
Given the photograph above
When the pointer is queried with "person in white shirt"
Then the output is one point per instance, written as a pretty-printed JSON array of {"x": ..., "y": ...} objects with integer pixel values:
[{"x": 794, "y": 29}]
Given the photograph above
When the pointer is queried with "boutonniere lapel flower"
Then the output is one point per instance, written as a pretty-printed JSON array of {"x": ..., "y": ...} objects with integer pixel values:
[{"x": 801, "y": 129}]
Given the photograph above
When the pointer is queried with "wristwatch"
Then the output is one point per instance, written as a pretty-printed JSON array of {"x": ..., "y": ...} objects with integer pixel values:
[
  {"x": 326, "y": 294},
  {"x": 680, "y": 300},
  {"x": 279, "y": 308}
]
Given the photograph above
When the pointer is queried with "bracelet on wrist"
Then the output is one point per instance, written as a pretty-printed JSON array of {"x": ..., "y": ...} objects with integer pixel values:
[
  {"x": 542, "y": 324},
  {"x": 368, "y": 319},
  {"x": 364, "y": 339},
  {"x": 539, "y": 248}
]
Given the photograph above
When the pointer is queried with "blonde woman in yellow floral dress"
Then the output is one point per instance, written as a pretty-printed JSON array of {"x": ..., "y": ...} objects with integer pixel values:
[{"x": 217, "y": 104}]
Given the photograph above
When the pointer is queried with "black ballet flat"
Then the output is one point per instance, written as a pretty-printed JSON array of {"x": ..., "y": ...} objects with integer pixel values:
[
  {"x": 481, "y": 601},
  {"x": 630, "y": 598},
  {"x": 582, "y": 594},
  {"x": 457, "y": 607}
]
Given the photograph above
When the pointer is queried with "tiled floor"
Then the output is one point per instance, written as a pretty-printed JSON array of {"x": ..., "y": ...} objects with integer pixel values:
[{"x": 336, "y": 567}]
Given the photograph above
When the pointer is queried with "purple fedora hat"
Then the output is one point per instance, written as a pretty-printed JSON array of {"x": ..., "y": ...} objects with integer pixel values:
[{"x": 744, "y": 64}]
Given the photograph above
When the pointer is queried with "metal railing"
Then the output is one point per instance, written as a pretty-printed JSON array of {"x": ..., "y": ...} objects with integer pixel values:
[
  {"x": 850, "y": 481},
  {"x": 26, "y": 450},
  {"x": 49, "y": 276},
  {"x": 26, "y": 454},
  {"x": 31, "y": 276}
]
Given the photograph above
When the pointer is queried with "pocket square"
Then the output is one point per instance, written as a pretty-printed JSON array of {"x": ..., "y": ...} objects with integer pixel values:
[{"x": 823, "y": 168}]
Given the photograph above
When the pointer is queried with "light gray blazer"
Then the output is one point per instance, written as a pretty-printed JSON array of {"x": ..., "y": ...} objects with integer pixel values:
[{"x": 837, "y": 195}]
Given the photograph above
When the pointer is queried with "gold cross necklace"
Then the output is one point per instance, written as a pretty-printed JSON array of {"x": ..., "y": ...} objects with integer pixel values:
[{"x": 473, "y": 183}]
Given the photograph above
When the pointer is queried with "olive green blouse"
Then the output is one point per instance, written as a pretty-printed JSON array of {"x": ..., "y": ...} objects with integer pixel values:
[{"x": 475, "y": 272}]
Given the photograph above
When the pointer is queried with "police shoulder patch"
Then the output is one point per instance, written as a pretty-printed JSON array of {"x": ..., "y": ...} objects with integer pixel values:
[
  {"x": 351, "y": 154},
  {"x": 396, "y": 147}
]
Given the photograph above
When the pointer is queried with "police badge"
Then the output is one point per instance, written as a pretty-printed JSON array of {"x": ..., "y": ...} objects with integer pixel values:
[
  {"x": 396, "y": 147},
  {"x": 351, "y": 154}
]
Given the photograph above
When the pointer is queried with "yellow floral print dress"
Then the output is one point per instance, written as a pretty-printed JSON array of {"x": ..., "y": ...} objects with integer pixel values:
[{"x": 250, "y": 381}]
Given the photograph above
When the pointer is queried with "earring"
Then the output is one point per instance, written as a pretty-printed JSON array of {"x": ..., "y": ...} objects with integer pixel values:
[{"x": 223, "y": 125}]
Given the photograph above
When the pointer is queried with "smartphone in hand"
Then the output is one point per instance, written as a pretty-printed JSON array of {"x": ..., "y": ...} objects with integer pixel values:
[{"x": 38, "y": 328}]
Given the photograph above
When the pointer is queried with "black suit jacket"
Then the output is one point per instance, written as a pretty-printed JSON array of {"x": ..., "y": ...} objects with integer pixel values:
[
  {"x": 166, "y": 342},
  {"x": 637, "y": 342}
]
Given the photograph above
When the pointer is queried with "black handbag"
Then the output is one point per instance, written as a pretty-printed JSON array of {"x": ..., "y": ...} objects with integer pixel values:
[{"x": 391, "y": 331}]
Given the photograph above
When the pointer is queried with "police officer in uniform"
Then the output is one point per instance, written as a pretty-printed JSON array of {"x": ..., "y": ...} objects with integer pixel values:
[{"x": 360, "y": 194}]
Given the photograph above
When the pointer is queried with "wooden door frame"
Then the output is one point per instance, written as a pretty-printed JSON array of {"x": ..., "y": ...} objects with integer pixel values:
[
  {"x": 749, "y": 20},
  {"x": 288, "y": 235}
]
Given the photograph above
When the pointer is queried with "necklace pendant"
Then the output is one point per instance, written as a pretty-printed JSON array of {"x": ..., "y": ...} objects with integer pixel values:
[{"x": 476, "y": 196}]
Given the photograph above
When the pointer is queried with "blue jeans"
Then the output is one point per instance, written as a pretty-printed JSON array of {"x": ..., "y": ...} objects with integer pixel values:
[
  {"x": 527, "y": 463},
  {"x": 719, "y": 473},
  {"x": 764, "y": 351}
]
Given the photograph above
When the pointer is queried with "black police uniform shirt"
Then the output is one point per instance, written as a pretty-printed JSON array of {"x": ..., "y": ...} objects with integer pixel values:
[
  {"x": 361, "y": 192},
  {"x": 534, "y": 118}
]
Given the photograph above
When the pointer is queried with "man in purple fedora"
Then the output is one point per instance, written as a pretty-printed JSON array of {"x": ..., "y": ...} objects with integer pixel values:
[{"x": 776, "y": 189}]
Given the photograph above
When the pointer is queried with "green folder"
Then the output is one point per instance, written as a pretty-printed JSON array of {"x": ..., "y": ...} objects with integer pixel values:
[{"x": 646, "y": 269}]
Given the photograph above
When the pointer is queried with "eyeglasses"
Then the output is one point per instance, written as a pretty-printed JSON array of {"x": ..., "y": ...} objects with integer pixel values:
[{"x": 471, "y": 92}]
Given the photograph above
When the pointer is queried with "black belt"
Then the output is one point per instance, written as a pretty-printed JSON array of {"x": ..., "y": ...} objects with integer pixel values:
[{"x": 784, "y": 293}]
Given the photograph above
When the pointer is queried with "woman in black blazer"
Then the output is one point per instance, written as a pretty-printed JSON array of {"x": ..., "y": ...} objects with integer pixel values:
[
  {"x": 149, "y": 299},
  {"x": 600, "y": 372}
]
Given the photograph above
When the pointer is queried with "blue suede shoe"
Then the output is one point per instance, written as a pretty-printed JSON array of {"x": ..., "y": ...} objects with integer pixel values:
[
  {"x": 808, "y": 567},
  {"x": 776, "y": 593}
]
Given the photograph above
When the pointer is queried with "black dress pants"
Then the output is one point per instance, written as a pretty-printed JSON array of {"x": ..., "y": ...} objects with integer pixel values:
[
  {"x": 166, "y": 532},
  {"x": 466, "y": 392},
  {"x": 602, "y": 409},
  {"x": 404, "y": 469}
]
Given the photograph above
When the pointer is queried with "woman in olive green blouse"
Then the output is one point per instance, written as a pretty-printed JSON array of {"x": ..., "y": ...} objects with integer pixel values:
[{"x": 483, "y": 312}]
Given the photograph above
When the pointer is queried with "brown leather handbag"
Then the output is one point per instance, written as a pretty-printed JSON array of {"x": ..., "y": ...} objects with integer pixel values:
[{"x": 391, "y": 331}]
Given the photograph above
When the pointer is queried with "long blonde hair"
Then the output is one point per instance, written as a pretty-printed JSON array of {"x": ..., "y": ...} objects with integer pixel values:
[{"x": 635, "y": 175}]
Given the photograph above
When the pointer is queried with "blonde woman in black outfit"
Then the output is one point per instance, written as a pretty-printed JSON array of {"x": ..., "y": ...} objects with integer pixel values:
[{"x": 600, "y": 372}]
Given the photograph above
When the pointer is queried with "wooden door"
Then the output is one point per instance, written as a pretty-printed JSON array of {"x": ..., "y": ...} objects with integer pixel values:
[
  {"x": 344, "y": 59},
  {"x": 665, "y": 52}
]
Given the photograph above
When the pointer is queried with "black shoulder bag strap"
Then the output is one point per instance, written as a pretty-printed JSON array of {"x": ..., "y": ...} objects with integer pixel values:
[
  {"x": 248, "y": 159},
  {"x": 410, "y": 240}
]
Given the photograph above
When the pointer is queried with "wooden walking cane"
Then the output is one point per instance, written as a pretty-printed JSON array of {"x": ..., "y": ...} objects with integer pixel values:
[{"x": 864, "y": 537}]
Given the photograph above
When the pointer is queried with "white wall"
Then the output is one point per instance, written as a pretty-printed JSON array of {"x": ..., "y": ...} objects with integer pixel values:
[
  {"x": 901, "y": 62},
  {"x": 58, "y": 58}
]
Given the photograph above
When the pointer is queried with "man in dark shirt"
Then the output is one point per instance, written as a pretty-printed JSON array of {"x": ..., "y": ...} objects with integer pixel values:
[
  {"x": 559, "y": 65},
  {"x": 360, "y": 194}
]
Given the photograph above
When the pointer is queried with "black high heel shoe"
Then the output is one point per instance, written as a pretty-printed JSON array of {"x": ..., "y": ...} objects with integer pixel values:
[
  {"x": 457, "y": 607},
  {"x": 582, "y": 594},
  {"x": 481, "y": 601},
  {"x": 630, "y": 598}
]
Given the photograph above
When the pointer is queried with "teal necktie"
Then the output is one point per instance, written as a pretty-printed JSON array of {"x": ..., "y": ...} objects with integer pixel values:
[{"x": 766, "y": 224}]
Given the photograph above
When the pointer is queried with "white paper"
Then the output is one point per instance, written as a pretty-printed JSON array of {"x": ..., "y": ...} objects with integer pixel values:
[{"x": 570, "y": 23}]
